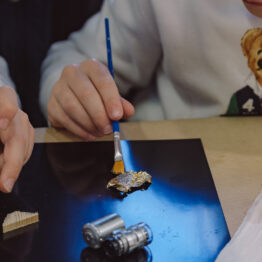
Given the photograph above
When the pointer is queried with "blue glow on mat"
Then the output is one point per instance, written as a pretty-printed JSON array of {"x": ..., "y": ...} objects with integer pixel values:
[
  {"x": 187, "y": 227},
  {"x": 198, "y": 230},
  {"x": 186, "y": 218}
]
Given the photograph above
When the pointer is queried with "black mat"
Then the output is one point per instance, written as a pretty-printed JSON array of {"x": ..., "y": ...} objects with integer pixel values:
[{"x": 65, "y": 183}]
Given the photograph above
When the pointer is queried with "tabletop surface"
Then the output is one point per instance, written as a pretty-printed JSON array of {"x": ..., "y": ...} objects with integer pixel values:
[{"x": 233, "y": 146}]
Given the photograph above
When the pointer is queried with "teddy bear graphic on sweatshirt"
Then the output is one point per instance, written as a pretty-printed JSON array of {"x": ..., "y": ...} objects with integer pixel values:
[{"x": 248, "y": 100}]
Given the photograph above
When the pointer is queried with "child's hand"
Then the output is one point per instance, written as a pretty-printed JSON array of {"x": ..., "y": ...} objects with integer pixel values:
[
  {"x": 86, "y": 99},
  {"x": 17, "y": 137}
]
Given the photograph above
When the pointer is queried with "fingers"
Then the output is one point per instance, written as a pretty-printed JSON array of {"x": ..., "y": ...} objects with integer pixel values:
[
  {"x": 129, "y": 109},
  {"x": 31, "y": 141},
  {"x": 18, "y": 140},
  {"x": 14, "y": 154},
  {"x": 8, "y": 106},
  {"x": 85, "y": 100},
  {"x": 73, "y": 107},
  {"x": 106, "y": 87},
  {"x": 59, "y": 118},
  {"x": 87, "y": 95}
]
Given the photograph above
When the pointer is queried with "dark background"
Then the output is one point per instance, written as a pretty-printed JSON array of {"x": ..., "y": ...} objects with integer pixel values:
[{"x": 27, "y": 29}]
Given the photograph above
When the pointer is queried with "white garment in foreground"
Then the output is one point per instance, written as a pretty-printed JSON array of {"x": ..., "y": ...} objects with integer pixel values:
[{"x": 246, "y": 244}]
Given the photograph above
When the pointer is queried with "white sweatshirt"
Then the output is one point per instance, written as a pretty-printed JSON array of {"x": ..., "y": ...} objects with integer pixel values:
[
  {"x": 193, "y": 48},
  {"x": 5, "y": 79}
]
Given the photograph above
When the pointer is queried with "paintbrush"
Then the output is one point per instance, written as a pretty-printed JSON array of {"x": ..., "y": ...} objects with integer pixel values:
[{"x": 118, "y": 167}]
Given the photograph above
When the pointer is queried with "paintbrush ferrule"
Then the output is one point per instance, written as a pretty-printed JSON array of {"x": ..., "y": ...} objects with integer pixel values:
[{"x": 118, "y": 152}]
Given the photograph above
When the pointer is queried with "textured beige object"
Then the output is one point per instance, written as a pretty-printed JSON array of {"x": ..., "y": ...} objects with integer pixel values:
[{"x": 19, "y": 219}]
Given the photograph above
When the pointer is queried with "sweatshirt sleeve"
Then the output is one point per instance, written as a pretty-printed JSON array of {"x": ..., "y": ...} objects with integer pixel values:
[
  {"x": 135, "y": 45},
  {"x": 5, "y": 79}
]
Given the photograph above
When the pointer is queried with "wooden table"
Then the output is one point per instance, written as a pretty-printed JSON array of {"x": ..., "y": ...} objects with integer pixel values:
[{"x": 233, "y": 146}]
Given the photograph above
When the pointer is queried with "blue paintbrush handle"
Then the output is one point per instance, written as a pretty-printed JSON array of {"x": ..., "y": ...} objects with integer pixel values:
[
  {"x": 110, "y": 63},
  {"x": 115, "y": 126},
  {"x": 108, "y": 47}
]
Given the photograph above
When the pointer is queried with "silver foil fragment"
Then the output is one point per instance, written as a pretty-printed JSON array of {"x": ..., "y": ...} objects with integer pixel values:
[{"x": 129, "y": 180}]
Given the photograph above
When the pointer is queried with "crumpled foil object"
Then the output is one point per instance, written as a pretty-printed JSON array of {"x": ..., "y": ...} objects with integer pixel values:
[{"x": 130, "y": 180}]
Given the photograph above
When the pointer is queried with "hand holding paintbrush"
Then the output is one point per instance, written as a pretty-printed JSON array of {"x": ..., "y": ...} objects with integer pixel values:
[
  {"x": 85, "y": 100},
  {"x": 118, "y": 167}
]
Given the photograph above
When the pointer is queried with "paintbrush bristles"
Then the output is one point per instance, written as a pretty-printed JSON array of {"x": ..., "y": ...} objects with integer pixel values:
[{"x": 118, "y": 167}]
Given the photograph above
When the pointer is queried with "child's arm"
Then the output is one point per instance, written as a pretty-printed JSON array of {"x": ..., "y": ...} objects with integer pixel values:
[
  {"x": 16, "y": 132},
  {"x": 83, "y": 97}
]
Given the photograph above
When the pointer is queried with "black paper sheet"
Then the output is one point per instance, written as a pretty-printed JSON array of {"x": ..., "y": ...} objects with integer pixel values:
[{"x": 66, "y": 184}]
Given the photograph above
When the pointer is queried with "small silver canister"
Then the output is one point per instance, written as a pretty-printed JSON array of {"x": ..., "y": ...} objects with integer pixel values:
[
  {"x": 124, "y": 242},
  {"x": 96, "y": 232}
]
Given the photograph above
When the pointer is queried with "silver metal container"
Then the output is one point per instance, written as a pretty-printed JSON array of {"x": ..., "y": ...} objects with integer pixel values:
[
  {"x": 96, "y": 232},
  {"x": 124, "y": 242}
]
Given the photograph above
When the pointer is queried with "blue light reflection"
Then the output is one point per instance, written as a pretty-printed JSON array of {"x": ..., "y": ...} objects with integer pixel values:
[{"x": 181, "y": 206}]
